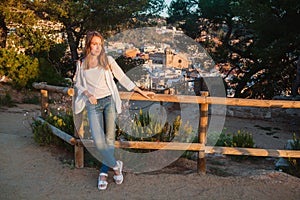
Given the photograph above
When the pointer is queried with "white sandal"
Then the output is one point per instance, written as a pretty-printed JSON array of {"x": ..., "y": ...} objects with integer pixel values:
[
  {"x": 102, "y": 184},
  {"x": 119, "y": 178}
]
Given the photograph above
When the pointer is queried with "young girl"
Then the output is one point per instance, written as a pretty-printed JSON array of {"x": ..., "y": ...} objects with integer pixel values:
[{"x": 97, "y": 89}]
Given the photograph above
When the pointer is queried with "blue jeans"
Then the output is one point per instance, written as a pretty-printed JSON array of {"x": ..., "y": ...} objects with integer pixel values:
[{"x": 102, "y": 117}]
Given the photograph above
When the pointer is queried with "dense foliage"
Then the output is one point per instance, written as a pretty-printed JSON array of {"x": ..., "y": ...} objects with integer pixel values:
[
  {"x": 107, "y": 17},
  {"x": 24, "y": 42},
  {"x": 255, "y": 43},
  {"x": 18, "y": 67},
  {"x": 32, "y": 29}
]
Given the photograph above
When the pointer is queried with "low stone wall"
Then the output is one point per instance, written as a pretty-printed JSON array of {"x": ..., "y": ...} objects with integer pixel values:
[
  {"x": 262, "y": 113},
  {"x": 274, "y": 113}
]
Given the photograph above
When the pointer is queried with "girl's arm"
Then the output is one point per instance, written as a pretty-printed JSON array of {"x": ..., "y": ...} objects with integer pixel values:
[{"x": 125, "y": 81}]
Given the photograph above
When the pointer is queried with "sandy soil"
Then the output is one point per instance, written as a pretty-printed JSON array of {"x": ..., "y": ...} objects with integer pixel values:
[{"x": 29, "y": 171}]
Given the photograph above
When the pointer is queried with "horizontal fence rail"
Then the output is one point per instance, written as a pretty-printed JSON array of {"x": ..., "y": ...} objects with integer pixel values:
[
  {"x": 52, "y": 88},
  {"x": 199, "y": 147},
  {"x": 185, "y": 98},
  {"x": 213, "y": 100},
  {"x": 62, "y": 135}
]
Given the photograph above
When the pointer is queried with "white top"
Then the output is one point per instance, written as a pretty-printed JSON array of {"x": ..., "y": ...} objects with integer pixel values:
[
  {"x": 116, "y": 71},
  {"x": 95, "y": 82}
]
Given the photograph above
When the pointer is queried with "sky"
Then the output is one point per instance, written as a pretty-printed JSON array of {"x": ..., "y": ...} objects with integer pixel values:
[
  {"x": 168, "y": 2},
  {"x": 165, "y": 11}
]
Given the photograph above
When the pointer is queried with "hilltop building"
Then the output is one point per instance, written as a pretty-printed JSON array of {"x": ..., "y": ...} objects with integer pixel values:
[
  {"x": 170, "y": 59},
  {"x": 132, "y": 53},
  {"x": 178, "y": 60}
]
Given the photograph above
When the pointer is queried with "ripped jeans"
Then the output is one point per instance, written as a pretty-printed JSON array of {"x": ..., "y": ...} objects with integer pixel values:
[{"x": 102, "y": 117}]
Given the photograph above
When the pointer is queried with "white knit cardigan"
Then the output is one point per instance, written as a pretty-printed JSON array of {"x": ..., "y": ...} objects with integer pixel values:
[{"x": 116, "y": 71}]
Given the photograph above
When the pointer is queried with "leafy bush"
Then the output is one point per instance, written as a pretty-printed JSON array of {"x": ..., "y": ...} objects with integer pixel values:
[
  {"x": 42, "y": 133},
  {"x": 296, "y": 143},
  {"x": 49, "y": 74},
  {"x": 244, "y": 140},
  {"x": 31, "y": 100},
  {"x": 62, "y": 121},
  {"x": 61, "y": 60},
  {"x": 294, "y": 163},
  {"x": 18, "y": 67},
  {"x": 241, "y": 139},
  {"x": 6, "y": 100},
  {"x": 145, "y": 128},
  {"x": 217, "y": 139}
]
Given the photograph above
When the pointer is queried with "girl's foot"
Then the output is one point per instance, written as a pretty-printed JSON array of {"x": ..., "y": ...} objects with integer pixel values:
[
  {"x": 102, "y": 181},
  {"x": 118, "y": 177}
]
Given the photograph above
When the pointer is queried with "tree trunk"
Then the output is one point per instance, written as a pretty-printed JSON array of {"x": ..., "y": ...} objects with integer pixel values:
[
  {"x": 73, "y": 43},
  {"x": 229, "y": 32},
  {"x": 297, "y": 81},
  {"x": 3, "y": 32}
]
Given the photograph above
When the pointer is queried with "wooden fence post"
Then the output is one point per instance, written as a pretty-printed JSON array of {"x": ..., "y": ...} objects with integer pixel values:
[
  {"x": 44, "y": 103},
  {"x": 78, "y": 133},
  {"x": 203, "y": 122},
  {"x": 79, "y": 148}
]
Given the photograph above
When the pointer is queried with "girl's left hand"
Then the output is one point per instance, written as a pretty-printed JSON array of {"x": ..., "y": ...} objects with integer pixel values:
[{"x": 147, "y": 94}]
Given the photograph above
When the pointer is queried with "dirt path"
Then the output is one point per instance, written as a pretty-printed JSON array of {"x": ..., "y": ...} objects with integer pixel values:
[{"x": 28, "y": 171}]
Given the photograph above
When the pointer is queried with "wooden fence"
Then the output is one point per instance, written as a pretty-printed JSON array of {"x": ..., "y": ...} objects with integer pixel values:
[{"x": 200, "y": 147}]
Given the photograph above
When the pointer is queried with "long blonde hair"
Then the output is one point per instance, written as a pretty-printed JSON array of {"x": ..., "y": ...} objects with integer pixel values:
[{"x": 103, "y": 60}]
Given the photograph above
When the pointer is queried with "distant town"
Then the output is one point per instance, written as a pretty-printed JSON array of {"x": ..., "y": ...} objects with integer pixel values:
[{"x": 166, "y": 69}]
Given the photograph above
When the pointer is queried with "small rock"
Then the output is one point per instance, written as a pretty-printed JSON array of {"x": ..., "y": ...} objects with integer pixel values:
[
  {"x": 281, "y": 163},
  {"x": 288, "y": 146}
]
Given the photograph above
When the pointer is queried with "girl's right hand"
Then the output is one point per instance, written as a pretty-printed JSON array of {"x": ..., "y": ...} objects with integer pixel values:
[{"x": 93, "y": 100}]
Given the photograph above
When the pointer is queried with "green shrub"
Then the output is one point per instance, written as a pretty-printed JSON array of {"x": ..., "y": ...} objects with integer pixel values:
[
  {"x": 49, "y": 74},
  {"x": 42, "y": 133},
  {"x": 146, "y": 128},
  {"x": 241, "y": 139},
  {"x": 20, "y": 68},
  {"x": 62, "y": 121},
  {"x": 6, "y": 100},
  {"x": 296, "y": 143},
  {"x": 61, "y": 59},
  {"x": 31, "y": 100},
  {"x": 294, "y": 163},
  {"x": 217, "y": 139}
]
